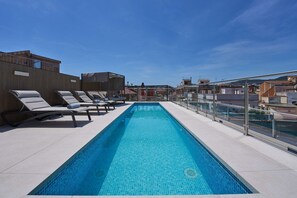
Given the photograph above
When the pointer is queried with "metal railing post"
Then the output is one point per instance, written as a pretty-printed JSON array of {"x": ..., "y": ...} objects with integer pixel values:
[
  {"x": 273, "y": 126},
  {"x": 138, "y": 94},
  {"x": 187, "y": 100},
  {"x": 197, "y": 109},
  {"x": 246, "y": 109},
  {"x": 180, "y": 103},
  {"x": 167, "y": 93},
  {"x": 214, "y": 103}
]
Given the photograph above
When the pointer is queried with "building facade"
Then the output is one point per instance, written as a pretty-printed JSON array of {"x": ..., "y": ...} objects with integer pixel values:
[
  {"x": 26, "y": 58},
  {"x": 113, "y": 83}
]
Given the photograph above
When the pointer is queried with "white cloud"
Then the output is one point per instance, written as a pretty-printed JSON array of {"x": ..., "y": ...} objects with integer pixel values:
[
  {"x": 247, "y": 48},
  {"x": 263, "y": 18},
  {"x": 242, "y": 58},
  {"x": 259, "y": 9}
]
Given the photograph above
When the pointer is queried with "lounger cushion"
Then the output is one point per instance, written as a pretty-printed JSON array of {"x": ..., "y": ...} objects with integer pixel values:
[
  {"x": 103, "y": 94},
  {"x": 26, "y": 93},
  {"x": 93, "y": 94},
  {"x": 62, "y": 109},
  {"x": 34, "y": 103},
  {"x": 70, "y": 99},
  {"x": 83, "y": 96},
  {"x": 31, "y": 99},
  {"x": 80, "y": 93},
  {"x": 73, "y": 106},
  {"x": 65, "y": 93}
]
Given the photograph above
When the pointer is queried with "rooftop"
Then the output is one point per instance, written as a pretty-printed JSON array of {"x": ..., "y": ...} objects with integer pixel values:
[
  {"x": 28, "y": 54},
  {"x": 30, "y": 153}
]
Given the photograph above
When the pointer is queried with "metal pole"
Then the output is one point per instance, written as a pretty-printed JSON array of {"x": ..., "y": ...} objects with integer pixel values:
[
  {"x": 167, "y": 93},
  {"x": 273, "y": 126},
  {"x": 197, "y": 110},
  {"x": 246, "y": 109},
  {"x": 187, "y": 100},
  {"x": 214, "y": 103},
  {"x": 180, "y": 97}
]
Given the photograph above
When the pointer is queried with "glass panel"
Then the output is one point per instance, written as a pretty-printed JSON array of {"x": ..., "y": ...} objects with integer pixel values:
[{"x": 37, "y": 64}]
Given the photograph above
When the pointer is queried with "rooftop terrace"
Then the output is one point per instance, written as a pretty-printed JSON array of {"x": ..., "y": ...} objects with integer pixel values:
[{"x": 29, "y": 154}]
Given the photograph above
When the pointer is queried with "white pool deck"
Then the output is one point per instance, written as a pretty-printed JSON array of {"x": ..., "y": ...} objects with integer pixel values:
[{"x": 30, "y": 153}]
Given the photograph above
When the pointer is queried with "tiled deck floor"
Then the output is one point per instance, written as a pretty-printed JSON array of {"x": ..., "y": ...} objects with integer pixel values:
[{"x": 30, "y": 153}]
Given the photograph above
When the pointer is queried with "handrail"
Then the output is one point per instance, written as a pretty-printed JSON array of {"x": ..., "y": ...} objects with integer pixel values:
[
  {"x": 255, "y": 77},
  {"x": 244, "y": 78}
]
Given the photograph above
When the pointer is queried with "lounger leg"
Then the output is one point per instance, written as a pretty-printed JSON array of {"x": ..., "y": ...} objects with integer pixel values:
[
  {"x": 89, "y": 115},
  {"x": 74, "y": 121},
  {"x": 98, "y": 110},
  {"x": 106, "y": 108}
]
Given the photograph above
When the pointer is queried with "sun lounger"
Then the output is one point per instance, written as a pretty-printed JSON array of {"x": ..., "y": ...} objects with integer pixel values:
[
  {"x": 83, "y": 96},
  {"x": 95, "y": 95},
  {"x": 68, "y": 97},
  {"x": 39, "y": 108},
  {"x": 115, "y": 98}
]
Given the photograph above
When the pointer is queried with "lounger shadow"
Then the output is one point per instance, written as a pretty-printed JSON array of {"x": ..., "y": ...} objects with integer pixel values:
[{"x": 35, "y": 105}]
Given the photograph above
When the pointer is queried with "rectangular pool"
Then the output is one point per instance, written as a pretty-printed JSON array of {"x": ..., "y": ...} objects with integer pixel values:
[{"x": 145, "y": 151}]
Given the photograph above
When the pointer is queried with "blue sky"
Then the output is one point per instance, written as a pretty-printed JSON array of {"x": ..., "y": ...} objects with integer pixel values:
[{"x": 156, "y": 41}]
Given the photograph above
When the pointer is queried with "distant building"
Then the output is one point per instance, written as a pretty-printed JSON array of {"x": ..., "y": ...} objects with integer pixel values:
[
  {"x": 26, "y": 58},
  {"x": 232, "y": 90},
  {"x": 186, "y": 89},
  {"x": 276, "y": 92},
  {"x": 230, "y": 99},
  {"x": 204, "y": 87},
  {"x": 130, "y": 94},
  {"x": 224, "y": 93},
  {"x": 203, "y": 81},
  {"x": 292, "y": 98},
  {"x": 227, "y": 94},
  {"x": 150, "y": 92},
  {"x": 186, "y": 82},
  {"x": 113, "y": 83}
]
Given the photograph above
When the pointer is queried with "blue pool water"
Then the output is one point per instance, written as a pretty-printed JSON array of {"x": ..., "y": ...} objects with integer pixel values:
[{"x": 143, "y": 152}]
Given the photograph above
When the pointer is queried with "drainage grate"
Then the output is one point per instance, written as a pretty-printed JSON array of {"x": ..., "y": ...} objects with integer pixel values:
[{"x": 190, "y": 173}]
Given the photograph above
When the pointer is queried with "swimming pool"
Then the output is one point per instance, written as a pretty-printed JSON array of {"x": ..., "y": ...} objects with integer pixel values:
[{"x": 143, "y": 152}]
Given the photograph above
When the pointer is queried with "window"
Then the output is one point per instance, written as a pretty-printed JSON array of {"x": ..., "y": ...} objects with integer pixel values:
[{"x": 37, "y": 64}]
